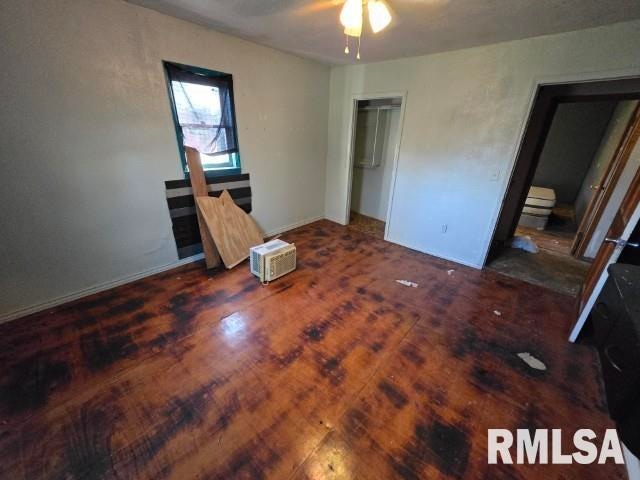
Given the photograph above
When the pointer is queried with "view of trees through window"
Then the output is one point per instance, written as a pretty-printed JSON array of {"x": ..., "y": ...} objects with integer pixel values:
[{"x": 204, "y": 116}]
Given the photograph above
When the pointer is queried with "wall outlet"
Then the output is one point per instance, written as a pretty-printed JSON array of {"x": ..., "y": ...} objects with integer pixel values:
[{"x": 444, "y": 228}]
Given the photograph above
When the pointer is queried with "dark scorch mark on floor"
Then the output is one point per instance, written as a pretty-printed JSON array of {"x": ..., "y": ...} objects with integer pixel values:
[
  {"x": 88, "y": 452},
  {"x": 331, "y": 368},
  {"x": 356, "y": 422},
  {"x": 470, "y": 343},
  {"x": 288, "y": 357},
  {"x": 31, "y": 382},
  {"x": 101, "y": 351},
  {"x": 398, "y": 398},
  {"x": 410, "y": 352},
  {"x": 124, "y": 308},
  {"x": 315, "y": 332},
  {"x": 443, "y": 445},
  {"x": 181, "y": 414},
  {"x": 487, "y": 380},
  {"x": 182, "y": 315}
]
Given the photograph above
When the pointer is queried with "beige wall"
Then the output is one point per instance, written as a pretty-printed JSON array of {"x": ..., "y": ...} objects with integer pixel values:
[
  {"x": 87, "y": 140},
  {"x": 465, "y": 113},
  {"x": 570, "y": 146}
]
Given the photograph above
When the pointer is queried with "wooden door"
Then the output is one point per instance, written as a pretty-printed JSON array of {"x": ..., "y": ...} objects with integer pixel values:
[
  {"x": 622, "y": 226},
  {"x": 603, "y": 189}
]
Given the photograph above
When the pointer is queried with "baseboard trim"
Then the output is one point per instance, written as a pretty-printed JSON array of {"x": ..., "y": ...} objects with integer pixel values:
[
  {"x": 475, "y": 266},
  {"x": 335, "y": 220},
  {"x": 291, "y": 226},
  {"x": 23, "y": 312}
]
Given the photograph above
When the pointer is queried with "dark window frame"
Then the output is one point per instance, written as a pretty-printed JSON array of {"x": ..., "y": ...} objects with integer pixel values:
[{"x": 234, "y": 168}]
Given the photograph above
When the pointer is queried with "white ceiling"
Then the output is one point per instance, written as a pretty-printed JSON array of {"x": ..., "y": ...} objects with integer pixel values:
[{"x": 310, "y": 28}]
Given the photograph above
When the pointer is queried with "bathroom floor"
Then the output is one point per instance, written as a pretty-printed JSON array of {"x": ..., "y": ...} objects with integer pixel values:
[
  {"x": 553, "y": 266},
  {"x": 558, "y": 272}
]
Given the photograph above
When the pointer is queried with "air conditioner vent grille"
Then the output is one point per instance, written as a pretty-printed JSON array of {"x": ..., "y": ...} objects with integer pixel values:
[
  {"x": 282, "y": 263},
  {"x": 272, "y": 260}
]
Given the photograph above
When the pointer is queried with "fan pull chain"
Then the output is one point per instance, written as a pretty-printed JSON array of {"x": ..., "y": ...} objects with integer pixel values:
[
  {"x": 346, "y": 49},
  {"x": 358, "y": 55}
]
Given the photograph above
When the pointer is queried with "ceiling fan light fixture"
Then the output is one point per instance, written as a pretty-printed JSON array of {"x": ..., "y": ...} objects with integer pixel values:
[
  {"x": 351, "y": 18},
  {"x": 351, "y": 15},
  {"x": 379, "y": 15},
  {"x": 353, "y": 31}
]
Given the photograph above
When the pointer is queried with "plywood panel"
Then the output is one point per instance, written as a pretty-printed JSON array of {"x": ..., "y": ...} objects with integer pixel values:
[
  {"x": 232, "y": 230},
  {"x": 199, "y": 187}
]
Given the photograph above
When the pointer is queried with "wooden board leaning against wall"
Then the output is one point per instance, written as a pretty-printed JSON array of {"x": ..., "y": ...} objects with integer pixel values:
[{"x": 227, "y": 231}]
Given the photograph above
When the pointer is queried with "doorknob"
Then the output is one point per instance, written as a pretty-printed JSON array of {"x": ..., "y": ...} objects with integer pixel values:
[{"x": 619, "y": 242}]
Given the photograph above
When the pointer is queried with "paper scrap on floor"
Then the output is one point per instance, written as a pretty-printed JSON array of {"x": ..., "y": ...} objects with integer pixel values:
[
  {"x": 532, "y": 361},
  {"x": 407, "y": 283},
  {"x": 524, "y": 242}
]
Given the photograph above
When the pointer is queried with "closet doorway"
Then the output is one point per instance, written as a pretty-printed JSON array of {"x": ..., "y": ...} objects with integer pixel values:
[{"x": 374, "y": 149}]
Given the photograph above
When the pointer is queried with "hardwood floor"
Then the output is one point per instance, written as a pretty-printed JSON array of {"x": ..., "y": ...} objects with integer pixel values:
[
  {"x": 553, "y": 241},
  {"x": 365, "y": 224},
  {"x": 334, "y": 371},
  {"x": 558, "y": 235}
]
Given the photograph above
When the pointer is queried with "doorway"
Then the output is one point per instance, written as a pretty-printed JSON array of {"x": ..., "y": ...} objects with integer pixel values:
[
  {"x": 372, "y": 161},
  {"x": 575, "y": 164}
]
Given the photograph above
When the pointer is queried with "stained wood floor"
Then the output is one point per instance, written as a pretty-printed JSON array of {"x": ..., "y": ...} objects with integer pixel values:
[
  {"x": 365, "y": 224},
  {"x": 335, "y": 371},
  {"x": 553, "y": 241}
]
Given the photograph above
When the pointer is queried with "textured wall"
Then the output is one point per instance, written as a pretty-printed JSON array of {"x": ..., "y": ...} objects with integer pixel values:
[
  {"x": 87, "y": 140},
  {"x": 464, "y": 118},
  {"x": 573, "y": 139}
]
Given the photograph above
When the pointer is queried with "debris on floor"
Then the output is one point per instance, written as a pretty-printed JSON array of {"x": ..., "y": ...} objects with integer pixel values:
[
  {"x": 407, "y": 283},
  {"x": 497, "y": 312},
  {"x": 450, "y": 272},
  {"x": 532, "y": 361},
  {"x": 524, "y": 242}
]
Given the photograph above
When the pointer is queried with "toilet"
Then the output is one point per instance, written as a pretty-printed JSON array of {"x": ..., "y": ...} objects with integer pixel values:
[{"x": 537, "y": 208}]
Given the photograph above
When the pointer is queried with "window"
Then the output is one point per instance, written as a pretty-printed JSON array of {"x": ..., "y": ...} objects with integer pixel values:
[{"x": 204, "y": 116}]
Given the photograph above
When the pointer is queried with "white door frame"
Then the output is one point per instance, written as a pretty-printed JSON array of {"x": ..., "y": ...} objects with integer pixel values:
[
  {"x": 628, "y": 229},
  {"x": 536, "y": 83},
  {"x": 351, "y": 147}
]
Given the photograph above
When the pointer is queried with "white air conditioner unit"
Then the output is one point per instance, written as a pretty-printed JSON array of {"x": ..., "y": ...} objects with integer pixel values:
[{"x": 272, "y": 260}]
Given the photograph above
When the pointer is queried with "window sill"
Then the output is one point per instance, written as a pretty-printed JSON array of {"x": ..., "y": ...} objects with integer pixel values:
[{"x": 220, "y": 172}]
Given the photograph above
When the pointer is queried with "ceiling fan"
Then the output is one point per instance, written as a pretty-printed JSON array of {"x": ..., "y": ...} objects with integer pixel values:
[{"x": 351, "y": 18}]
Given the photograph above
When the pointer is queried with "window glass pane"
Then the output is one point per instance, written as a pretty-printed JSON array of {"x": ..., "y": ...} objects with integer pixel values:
[
  {"x": 204, "y": 115},
  {"x": 213, "y": 161},
  {"x": 197, "y": 105}
]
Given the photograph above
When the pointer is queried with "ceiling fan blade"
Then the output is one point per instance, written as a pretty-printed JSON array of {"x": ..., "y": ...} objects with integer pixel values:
[{"x": 319, "y": 6}]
